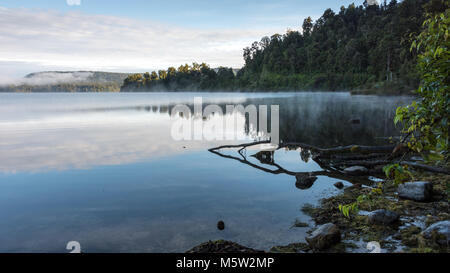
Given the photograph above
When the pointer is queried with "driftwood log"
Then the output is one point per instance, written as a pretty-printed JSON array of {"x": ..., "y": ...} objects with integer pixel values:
[{"x": 333, "y": 160}]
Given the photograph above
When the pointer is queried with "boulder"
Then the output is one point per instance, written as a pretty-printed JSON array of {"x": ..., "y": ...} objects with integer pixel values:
[
  {"x": 417, "y": 191},
  {"x": 324, "y": 236},
  {"x": 355, "y": 121},
  {"x": 339, "y": 185},
  {"x": 305, "y": 181},
  {"x": 356, "y": 170},
  {"x": 382, "y": 217},
  {"x": 441, "y": 230}
]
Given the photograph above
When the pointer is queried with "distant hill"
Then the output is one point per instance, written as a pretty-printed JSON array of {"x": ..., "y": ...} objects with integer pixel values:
[
  {"x": 79, "y": 76},
  {"x": 68, "y": 81}
]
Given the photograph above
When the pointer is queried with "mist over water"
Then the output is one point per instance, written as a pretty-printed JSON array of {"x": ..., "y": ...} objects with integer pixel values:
[{"x": 102, "y": 169}]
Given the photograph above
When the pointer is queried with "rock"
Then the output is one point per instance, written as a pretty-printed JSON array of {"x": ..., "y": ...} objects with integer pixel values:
[
  {"x": 417, "y": 191},
  {"x": 305, "y": 181},
  {"x": 382, "y": 217},
  {"x": 440, "y": 231},
  {"x": 324, "y": 236},
  {"x": 356, "y": 170},
  {"x": 222, "y": 246},
  {"x": 339, "y": 185},
  {"x": 291, "y": 248},
  {"x": 220, "y": 225},
  {"x": 298, "y": 223},
  {"x": 355, "y": 121}
]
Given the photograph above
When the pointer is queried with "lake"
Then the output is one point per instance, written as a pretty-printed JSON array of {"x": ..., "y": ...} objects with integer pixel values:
[{"x": 103, "y": 169}]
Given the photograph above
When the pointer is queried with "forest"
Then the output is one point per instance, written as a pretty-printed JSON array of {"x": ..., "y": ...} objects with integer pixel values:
[{"x": 360, "y": 48}]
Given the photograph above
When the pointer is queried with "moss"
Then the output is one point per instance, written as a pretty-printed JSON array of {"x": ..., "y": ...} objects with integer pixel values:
[
  {"x": 299, "y": 224},
  {"x": 291, "y": 248},
  {"x": 355, "y": 149},
  {"x": 410, "y": 236}
]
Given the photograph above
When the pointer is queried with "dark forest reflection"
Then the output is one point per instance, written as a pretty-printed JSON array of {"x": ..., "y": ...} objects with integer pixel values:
[{"x": 325, "y": 120}]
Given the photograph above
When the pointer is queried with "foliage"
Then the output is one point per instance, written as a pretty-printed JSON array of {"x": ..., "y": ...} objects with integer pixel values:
[
  {"x": 427, "y": 120},
  {"x": 361, "y": 46},
  {"x": 398, "y": 173},
  {"x": 364, "y": 199},
  {"x": 185, "y": 78},
  {"x": 346, "y": 210}
]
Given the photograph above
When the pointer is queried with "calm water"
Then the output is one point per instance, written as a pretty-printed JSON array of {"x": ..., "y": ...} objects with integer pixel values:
[{"x": 103, "y": 169}]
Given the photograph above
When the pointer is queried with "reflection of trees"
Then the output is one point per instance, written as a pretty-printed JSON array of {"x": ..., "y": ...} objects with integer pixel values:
[
  {"x": 323, "y": 119},
  {"x": 318, "y": 119},
  {"x": 267, "y": 158}
]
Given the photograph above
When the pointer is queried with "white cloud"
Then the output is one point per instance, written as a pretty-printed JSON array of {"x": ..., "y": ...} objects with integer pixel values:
[
  {"x": 73, "y": 2},
  {"x": 98, "y": 42}
]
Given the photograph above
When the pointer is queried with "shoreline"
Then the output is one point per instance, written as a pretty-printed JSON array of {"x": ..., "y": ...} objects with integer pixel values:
[{"x": 403, "y": 236}]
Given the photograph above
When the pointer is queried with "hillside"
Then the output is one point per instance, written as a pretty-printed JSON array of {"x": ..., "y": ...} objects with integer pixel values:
[{"x": 68, "y": 81}]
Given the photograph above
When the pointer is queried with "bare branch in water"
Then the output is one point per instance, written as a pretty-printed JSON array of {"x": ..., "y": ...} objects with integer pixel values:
[{"x": 331, "y": 160}]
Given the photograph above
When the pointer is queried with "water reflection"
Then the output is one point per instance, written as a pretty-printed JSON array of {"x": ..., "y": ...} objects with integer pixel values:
[
  {"x": 41, "y": 132},
  {"x": 103, "y": 169}
]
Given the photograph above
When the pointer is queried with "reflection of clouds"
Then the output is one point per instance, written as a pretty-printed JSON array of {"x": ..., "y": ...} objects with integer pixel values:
[
  {"x": 41, "y": 132},
  {"x": 84, "y": 140}
]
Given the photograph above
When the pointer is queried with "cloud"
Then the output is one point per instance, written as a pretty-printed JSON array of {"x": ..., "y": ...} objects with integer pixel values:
[
  {"x": 98, "y": 42},
  {"x": 73, "y": 2}
]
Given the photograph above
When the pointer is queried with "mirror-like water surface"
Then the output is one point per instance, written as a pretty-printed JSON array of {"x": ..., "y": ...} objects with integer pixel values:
[{"x": 103, "y": 169}]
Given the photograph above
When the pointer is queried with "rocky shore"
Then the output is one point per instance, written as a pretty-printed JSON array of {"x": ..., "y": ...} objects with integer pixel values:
[{"x": 413, "y": 217}]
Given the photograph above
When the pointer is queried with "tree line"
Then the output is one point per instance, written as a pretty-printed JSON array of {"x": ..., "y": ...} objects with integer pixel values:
[
  {"x": 360, "y": 47},
  {"x": 185, "y": 78}
]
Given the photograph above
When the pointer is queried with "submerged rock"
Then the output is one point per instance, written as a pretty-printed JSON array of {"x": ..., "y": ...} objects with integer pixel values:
[
  {"x": 220, "y": 225},
  {"x": 440, "y": 231},
  {"x": 355, "y": 121},
  {"x": 324, "y": 237},
  {"x": 305, "y": 181},
  {"x": 299, "y": 223},
  {"x": 339, "y": 185},
  {"x": 382, "y": 217},
  {"x": 417, "y": 191},
  {"x": 291, "y": 248},
  {"x": 356, "y": 170}
]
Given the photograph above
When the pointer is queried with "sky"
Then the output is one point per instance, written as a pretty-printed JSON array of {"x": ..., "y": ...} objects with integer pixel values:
[{"x": 138, "y": 35}]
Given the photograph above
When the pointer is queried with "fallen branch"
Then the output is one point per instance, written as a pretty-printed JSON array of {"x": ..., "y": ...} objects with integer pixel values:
[
  {"x": 328, "y": 162},
  {"x": 242, "y": 146},
  {"x": 425, "y": 167},
  {"x": 341, "y": 149}
]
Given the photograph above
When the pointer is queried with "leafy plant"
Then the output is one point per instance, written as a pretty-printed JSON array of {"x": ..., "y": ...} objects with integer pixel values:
[
  {"x": 346, "y": 210},
  {"x": 353, "y": 208},
  {"x": 398, "y": 173},
  {"x": 426, "y": 122}
]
